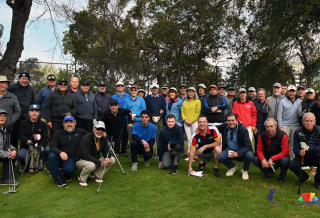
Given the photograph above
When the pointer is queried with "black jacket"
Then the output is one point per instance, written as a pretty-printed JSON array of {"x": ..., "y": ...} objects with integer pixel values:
[
  {"x": 243, "y": 139},
  {"x": 58, "y": 104},
  {"x": 114, "y": 124},
  {"x": 28, "y": 128},
  {"x": 88, "y": 150},
  {"x": 25, "y": 97},
  {"x": 315, "y": 109},
  {"x": 62, "y": 141},
  {"x": 261, "y": 117}
]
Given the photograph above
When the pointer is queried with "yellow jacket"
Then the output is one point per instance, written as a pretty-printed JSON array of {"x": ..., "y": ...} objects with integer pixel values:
[{"x": 191, "y": 110}]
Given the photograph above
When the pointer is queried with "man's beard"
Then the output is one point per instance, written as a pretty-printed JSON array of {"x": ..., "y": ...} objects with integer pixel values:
[
  {"x": 69, "y": 131},
  {"x": 97, "y": 136}
]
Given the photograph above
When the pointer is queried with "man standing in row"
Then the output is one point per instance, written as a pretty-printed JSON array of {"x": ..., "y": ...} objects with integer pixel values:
[
  {"x": 261, "y": 117},
  {"x": 272, "y": 103},
  {"x": 102, "y": 99},
  {"x": 164, "y": 91},
  {"x": 284, "y": 89},
  {"x": 183, "y": 92},
  {"x": 74, "y": 85},
  {"x": 222, "y": 93},
  {"x": 87, "y": 107},
  {"x": 306, "y": 103},
  {"x": 231, "y": 94}
]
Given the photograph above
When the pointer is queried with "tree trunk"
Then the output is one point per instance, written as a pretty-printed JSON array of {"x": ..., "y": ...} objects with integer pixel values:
[{"x": 20, "y": 15}]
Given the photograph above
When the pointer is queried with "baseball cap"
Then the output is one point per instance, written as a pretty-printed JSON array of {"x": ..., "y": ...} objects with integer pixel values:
[
  {"x": 292, "y": 87},
  {"x": 113, "y": 102},
  {"x": 68, "y": 117},
  {"x": 213, "y": 86},
  {"x": 192, "y": 88},
  {"x": 309, "y": 90},
  {"x": 231, "y": 88},
  {"x": 183, "y": 85},
  {"x": 61, "y": 81},
  {"x": 177, "y": 149},
  {"x": 51, "y": 77},
  {"x": 119, "y": 84},
  {"x": 101, "y": 83},
  {"x": 202, "y": 86},
  {"x": 164, "y": 86},
  {"x": 277, "y": 85},
  {"x": 133, "y": 86},
  {"x": 302, "y": 87},
  {"x": 34, "y": 107},
  {"x": 141, "y": 90},
  {"x": 252, "y": 89},
  {"x": 154, "y": 85},
  {"x": 242, "y": 90},
  {"x": 222, "y": 86},
  {"x": 173, "y": 88},
  {"x": 99, "y": 124},
  {"x": 3, "y": 111},
  {"x": 85, "y": 82}
]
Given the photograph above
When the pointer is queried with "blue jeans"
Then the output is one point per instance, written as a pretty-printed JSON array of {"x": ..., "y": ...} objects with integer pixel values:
[
  {"x": 225, "y": 159},
  {"x": 22, "y": 154},
  {"x": 282, "y": 163},
  {"x": 68, "y": 166}
]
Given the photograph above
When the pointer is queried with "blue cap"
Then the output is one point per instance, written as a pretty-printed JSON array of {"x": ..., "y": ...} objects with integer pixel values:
[
  {"x": 34, "y": 107},
  {"x": 68, "y": 117},
  {"x": 3, "y": 111}
]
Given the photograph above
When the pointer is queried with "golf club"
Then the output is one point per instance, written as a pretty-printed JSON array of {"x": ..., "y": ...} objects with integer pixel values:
[
  {"x": 104, "y": 168},
  {"x": 300, "y": 175},
  {"x": 11, "y": 177},
  {"x": 156, "y": 157},
  {"x": 116, "y": 157}
]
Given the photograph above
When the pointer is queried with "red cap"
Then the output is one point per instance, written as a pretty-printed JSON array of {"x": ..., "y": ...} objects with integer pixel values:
[
  {"x": 213, "y": 86},
  {"x": 134, "y": 86}
]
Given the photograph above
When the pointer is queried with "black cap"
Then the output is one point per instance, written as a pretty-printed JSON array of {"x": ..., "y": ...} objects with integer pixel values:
[
  {"x": 301, "y": 87},
  {"x": 113, "y": 102},
  {"x": 222, "y": 86},
  {"x": 101, "y": 83},
  {"x": 51, "y": 77},
  {"x": 85, "y": 82},
  {"x": 62, "y": 80},
  {"x": 178, "y": 148},
  {"x": 183, "y": 85},
  {"x": 231, "y": 88},
  {"x": 164, "y": 86},
  {"x": 24, "y": 74}
]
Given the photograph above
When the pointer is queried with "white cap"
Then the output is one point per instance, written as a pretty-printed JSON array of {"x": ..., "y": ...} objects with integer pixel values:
[
  {"x": 242, "y": 90},
  {"x": 119, "y": 84},
  {"x": 99, "y": 124},
  {"x": 192, "y": 88},
  {"x": 251, "y": 89},
  {"x": 292, "y": 87},
  {"x": 173, "y": 88},
  {"x": 309, "y": 90},
  {"x": 141, "y": 90},
  {"x": 154, "y": 85}
]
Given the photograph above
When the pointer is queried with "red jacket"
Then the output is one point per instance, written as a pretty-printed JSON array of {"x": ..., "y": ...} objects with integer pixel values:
[
  {"x": 284, "y": 148},
  {"x": 246, "y": 111}
]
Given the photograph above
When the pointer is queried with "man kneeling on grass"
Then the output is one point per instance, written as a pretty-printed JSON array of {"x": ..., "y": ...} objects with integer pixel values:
[
  {"x": 171, "y": 141},
  {"x": 272, "y": 151},
  {"x": 235, "y": 144},
  {"x": 63, "y": 148},
  {"x": 205, "y": 145},
  {"x": 88, "y": 158},
  {"x": 143, "y": 138}
]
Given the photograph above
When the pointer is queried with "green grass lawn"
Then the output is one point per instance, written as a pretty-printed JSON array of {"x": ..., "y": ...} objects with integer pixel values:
[{"x": 153, "y": 192}]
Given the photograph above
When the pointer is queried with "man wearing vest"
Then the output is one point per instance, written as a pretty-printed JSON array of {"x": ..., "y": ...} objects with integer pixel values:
[
  {"x": 307, "y": 145},
  {"x": 205, "y": 145},
  {"x": 235, "y": 144},
  {"x": 246, "y": 112},
  {"x": 272, "y": 151},
  {"x": 214, "y": 106}
]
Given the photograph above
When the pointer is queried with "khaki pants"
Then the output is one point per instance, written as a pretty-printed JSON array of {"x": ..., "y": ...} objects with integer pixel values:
[
  {"x": 289, "y": 130},
  {"x": 88, "y": 167},
  {"x": 250, "y": 133}
]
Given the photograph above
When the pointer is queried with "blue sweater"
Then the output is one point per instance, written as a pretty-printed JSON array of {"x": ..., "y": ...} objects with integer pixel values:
[
  {"x": 288, "y": 112},
  {"x": 121, "y": 98},
  {"x": 87, "y": 107},
  {"x": 175, "y": 109},
  {"x": 174, "y": 136},
  {"x": 154, "y": 104},
  {"x": 42, "y": 98},
  {"x": 136, "y": 106}
]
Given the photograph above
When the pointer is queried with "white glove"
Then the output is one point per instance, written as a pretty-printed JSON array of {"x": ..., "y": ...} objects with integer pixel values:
[
  {"x": 304, "y": 146},
  {"x": 156, "y": 119},
  {"x": 94, "y": 121}
]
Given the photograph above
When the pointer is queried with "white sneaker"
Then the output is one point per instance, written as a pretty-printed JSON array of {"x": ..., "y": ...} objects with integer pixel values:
[
  {"x": 134, "y": 166},
  {"x": 245, "y": 175},
  {"x": 83, "y": 184},
  {"x": 187, "y": 159},
  {"x": 231, "y": 171}
]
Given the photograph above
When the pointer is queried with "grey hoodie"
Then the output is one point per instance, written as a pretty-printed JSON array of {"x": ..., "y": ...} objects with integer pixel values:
[
  {"x": 272, "y": 108},
  {"x": 9, "y": 102}
]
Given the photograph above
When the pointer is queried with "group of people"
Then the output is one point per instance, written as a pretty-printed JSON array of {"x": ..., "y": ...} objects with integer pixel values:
[{"x": 218, "y": 125}]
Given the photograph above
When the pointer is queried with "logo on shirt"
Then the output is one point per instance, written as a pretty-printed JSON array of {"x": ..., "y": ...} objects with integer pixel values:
[
  {"x": 199, "y": 140},
  {"x": 75, "y": 134},
  {"x": 248, "y": 105},
  {"x": 211, "y": 137}
]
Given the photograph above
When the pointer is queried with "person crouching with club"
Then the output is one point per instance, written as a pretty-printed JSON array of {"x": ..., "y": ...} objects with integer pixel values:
[
  {"x": 272, "y": 151},
  {"x": 7, "y": 152},
  {"x": 88, "y": 158},
  {"x": 306, "y": 146}
]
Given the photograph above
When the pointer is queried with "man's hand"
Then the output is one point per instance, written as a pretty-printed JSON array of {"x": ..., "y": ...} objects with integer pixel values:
[
  {"x": 146, "y": 146},
  {"x": 219, "y": 111},
  {"x": 305, "y": 110},
  {"x": 267, "y": 102},
  {"x": 104, "y": 163},
  {"x": 108, "y": 160},
  {"x": 12, "y": 155},
  {"x": 63, "y": 156},
  {"x": 264, "y": 163},
  {"x": 213, "y": 109},
  {"x": 169, "y": 148},
  {"x": 197, "y": 130},
  {"x": 190, "y": 170},
  {"x": 94, "y": 121},
  {"x": 270, "y": 162},
  {"x": 281, "y": 129},
  {"x": 133, "y": 117},
  {"x": 160, "y": 164},
  {"x": 130, "y": 125},
  {"x": 254, "y": 129},
  {"x": 302, "y": 152},
  {"x": 49, "y": 124},
  {"x": 200, "y": 150},
  {"x": 161, "y": 111},
  {"x": 234, "y": 155},
  {"x": 188, "y": 122}
]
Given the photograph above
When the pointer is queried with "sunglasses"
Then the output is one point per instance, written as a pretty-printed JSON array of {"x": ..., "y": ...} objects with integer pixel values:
[
  {"x": 52, "y": 77},
  {"x": 63, "y": 84},
  {"x": 120, "y": 86},
  {"x": 100, "y": 129}
]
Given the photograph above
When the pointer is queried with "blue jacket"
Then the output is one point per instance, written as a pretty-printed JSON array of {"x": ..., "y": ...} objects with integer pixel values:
[
  {"x": 87, "y": 107},
  {"x": 154, "y": 104},
  {"x": 120, "y": 98},
  {"x": 175, "y": 109},
  {"x": 174, "y": 136},
  {"x": 42, "y": 98},
  {"x": 243, "y": 139},
  {"x": 136, "y": 106}
]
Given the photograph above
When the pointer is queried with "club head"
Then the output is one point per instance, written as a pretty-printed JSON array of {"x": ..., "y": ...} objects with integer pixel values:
[
  {"x": 97, "y": 191},
  {"x": 6, "y": 192},
  {"x": 124, "y": 174}
]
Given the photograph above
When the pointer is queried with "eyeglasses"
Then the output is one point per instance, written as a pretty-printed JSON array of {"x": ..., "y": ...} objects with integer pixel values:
[
  {"x": 63, "y": 84},
  {"x": 231, "y": 135},
  {"x": 100, "y": 129}
]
